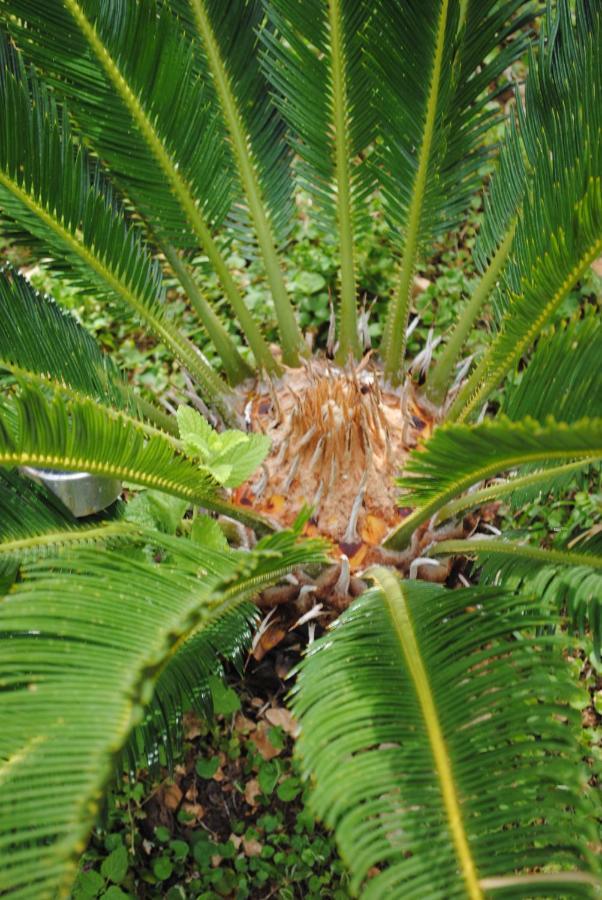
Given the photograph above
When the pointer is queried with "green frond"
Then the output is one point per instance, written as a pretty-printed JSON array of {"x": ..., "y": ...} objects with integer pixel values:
[
  {"x": 87, "y": 640},
  {"x": 315, "y": 62},
  {"x": 443, "y": 741},
  {"x": 51, "y": 190},
  {"x": 185, "y": 678},
  {"x": 227, "y": 38},
  {"x": 566, "y": 579},
  {"x": 520, "y": 489},
  {"x": 186, "y": 682},
  {"x": 33, "y": 523},
  {"x": 146, "y": 113},
  {"x": 563, "y": 377},
  {"x": 237, "y": 27},
  {"x": 38, "y": 338},
  {"x": 458, "y": 456},
  {"x": 559, "y": 232},
  {"x": 84, "y": 436},
  {"x": 131, "y": 77},
  {"x": 434, "y": 63}
]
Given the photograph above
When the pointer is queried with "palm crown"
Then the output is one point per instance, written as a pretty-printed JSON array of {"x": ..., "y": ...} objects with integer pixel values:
[{"x": 139, "y": 140}]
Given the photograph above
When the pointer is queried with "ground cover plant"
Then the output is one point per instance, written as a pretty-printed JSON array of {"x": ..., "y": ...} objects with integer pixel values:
[{"x": 142, "y": 143}]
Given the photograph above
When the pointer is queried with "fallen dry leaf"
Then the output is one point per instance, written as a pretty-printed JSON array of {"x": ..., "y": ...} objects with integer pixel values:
[
  {"x": 270, "y": 638},
  {"x": 196, "y": 810},
  {"x": 262, "y": 742},
  {"x": 171, "y": 796},
  {"x": 281, "y": 718},
  {"x": 252, "y": 791},
  {"x": 235, "y": 839},
  {"x": 192, "y": 725},
  {"x": 242, "y": 724},
  {"x": 252, "y": 847}
]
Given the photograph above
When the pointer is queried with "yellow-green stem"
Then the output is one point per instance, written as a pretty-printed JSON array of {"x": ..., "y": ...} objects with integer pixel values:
[
  {"x": 401, "y": 617},
  {"x": 394, "y": 341},
  {"x": 291, "y": 337},
  {"x": 348, "y": 336},
  {"x": 235, "y": 366},
  {"x": 438, "y": 383}
]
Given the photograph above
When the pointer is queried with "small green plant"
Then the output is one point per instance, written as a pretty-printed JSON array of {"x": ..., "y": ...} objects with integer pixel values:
[
  {"x": 261, "y": 840},
  {"x": 146, "y": 143}
]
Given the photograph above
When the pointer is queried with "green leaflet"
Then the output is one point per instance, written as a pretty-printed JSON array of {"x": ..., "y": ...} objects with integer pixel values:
[
  {"x": 458, "y": 456},
  {"x": 440, "y": 745},
  {"x": 562, "y": 578},
  {"x": 55, "y": 193},
  {"x": 118, "y": 623}
]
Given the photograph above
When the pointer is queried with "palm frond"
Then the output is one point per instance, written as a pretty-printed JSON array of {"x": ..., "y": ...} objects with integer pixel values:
[
  {"x": 565, "y": 578},
  {"x": 434, "y": 64},
  {"x": 316, "y": 65},
  {"x": 443, "y": 741},
  {"x": 53, "y": 192},
  {"x": 559, "y": 231},
  {"x": 227, "y": 38},
  {"x": 87, "y": 639},
  {"x": 34, "y": 523},
  {"x": 130, "y": 75},
  {"x": 38, "y": 338},
  {"x": 185, "y": 678},
  {"x": 82, "y": 435},
  {"x": 458, "y": 456},
  {"x": 145, "y": 112},
  {"x": 563, "y": 377},
  {"x": 520, "y": 489}
]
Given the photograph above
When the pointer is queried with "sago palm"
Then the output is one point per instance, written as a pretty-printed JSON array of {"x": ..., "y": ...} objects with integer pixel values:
[{"x": 139, "y": 141}]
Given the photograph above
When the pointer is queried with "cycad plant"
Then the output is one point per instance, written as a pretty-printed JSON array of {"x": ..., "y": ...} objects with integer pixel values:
[{"x": 139, "y": 141}]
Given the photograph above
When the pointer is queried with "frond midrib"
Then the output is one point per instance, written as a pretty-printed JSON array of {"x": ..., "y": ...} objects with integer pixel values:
[
  {"x": 179, "y": 186},
  {"x": 400, "y": 614},
  {"x": 291, "y": 337},
  {"x": 523, "y": 551},
  {"x": 68, "y": 536},
  {"x": 394, "y": 340},
  {"x": 476, "y": 391},
  {"x": 180, "y": 346},
  {"x": 348, "y": 338}
]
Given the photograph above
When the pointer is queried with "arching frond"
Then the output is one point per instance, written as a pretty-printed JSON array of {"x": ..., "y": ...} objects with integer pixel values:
[
  {"x": 563, "y": 377},
  {"x": 85, "y": 436},
  {"x": 520, "y": 489},
  {"x": 50, "y": 189},
  {"x": 458, "y": 456},
  {"x": 559, "y": 233},
  {"x": 316, "y": 65},
  {"x": 227, "y": 37},
  {"x": 568, "y": 578},
  {"x": 33, "y": 523},
  {"x": 185, "y": 676},
  {"x": 86, "y": 642},
  {"x": 130, "y": 80},
  {"x": 38, "y": 338},
  {"x": 434, "y": 64},
  {"x": 442, "y": 740},
  {"x": 130, "y": 75}
]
